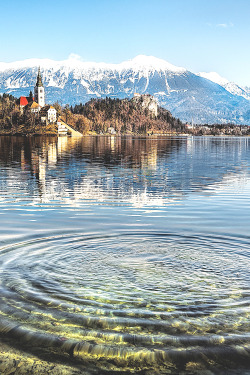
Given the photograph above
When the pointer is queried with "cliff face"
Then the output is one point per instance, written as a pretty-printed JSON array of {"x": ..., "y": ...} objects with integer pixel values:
[
  {"x": 187, "y": 95},
  {"x": 147, "y": 102}
]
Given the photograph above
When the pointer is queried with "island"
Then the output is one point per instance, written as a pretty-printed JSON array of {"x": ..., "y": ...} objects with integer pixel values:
[{"x": 140, "y": 115}]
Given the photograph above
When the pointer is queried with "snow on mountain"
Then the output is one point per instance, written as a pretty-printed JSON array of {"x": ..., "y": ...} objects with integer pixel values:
[
  {"x": 205, "y": 97},
  {"x": 214, "y": 77},
  {"x": 247, "y": 89},
  {"x": 149, "y": 63},
  {"x": 234, "y": 89},
  {"x": 231, "y": 87}
]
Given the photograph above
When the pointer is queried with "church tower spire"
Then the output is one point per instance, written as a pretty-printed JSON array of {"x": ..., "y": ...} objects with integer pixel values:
[
  {"x": 39, "y": 78},
  {"x": 39, "y": 90}
]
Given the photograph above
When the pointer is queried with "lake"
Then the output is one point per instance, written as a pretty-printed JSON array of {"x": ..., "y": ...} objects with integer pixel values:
[{"x": 122, "y": 255}]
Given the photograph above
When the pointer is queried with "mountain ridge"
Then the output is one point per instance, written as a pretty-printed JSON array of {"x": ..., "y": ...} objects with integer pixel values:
[
  {"x": 185, "y": 94},
  {"x": 74, "y": 62}
]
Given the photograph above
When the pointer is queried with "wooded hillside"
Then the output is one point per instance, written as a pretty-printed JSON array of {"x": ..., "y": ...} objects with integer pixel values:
[{"x": 125, "y": 116}]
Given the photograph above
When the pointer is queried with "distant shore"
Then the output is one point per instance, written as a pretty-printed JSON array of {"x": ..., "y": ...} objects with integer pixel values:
[{"x": 93, "y": 134}]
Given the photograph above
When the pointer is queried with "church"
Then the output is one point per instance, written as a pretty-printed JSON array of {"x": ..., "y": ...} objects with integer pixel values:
[{"x": 36, "y": 104}]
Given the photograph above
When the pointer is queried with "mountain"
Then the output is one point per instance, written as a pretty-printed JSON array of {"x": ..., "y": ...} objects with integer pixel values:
[
  {"x": 231, "y": 87},
  {"x": 187, "y": 95}
]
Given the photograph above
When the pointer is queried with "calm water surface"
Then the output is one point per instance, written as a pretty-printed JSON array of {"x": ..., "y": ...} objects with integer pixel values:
[{"x": 124, "y": 255}]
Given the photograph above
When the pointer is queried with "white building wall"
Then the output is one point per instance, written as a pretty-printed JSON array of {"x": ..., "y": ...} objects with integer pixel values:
[
  {"x": 51, "y": 115},
  {"x": 40, "y": 96}
]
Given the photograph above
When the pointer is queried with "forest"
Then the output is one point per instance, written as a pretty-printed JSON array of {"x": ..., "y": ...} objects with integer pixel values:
[
  {"x": 13, "y": 120},
  {"x": 123, "y": 115},
  {"x": 98, "y": 116}
]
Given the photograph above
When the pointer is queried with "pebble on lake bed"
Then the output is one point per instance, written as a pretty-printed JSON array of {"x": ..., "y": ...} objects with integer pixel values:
[{"x": 15, "y": 362}]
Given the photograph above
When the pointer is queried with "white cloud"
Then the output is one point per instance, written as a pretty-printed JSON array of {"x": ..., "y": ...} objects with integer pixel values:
[
  {"x": 221, "y": 25},
  {"x": 74, "y": 56},
  {"x": 225, "y": 25}
]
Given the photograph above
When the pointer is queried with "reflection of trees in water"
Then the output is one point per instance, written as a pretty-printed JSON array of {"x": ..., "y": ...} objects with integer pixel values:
[
  {"x": 99, "y": 167},
  {"x": 129, "y": 151},
  {"x": 109, "y": 151}
]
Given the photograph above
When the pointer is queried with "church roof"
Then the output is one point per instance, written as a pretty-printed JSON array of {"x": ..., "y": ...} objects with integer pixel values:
[
  {"x": 39, "y": 79},
  {"x": 23, "y": 101},
  {"x": 33, "y": 105},
  {"x": 45, "y": 109}
]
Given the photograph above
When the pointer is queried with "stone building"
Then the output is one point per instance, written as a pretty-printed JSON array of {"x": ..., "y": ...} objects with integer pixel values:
[{"x": 147, "y": 101}]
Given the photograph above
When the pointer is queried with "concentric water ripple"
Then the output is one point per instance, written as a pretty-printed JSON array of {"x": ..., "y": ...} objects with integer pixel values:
[{"x": 133, "y": 301}]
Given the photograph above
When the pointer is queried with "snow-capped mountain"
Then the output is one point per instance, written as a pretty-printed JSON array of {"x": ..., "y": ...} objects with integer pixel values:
[
  {"x": 231, "y": 87},
  {"x": 203, "y": 96}
]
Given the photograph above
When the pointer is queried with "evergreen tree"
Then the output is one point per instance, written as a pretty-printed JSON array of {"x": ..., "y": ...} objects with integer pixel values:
[{"x": 30, "y": 99}]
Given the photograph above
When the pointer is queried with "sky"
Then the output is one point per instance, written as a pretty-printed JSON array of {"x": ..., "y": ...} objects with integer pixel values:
[{"x": 199, "y": 35}]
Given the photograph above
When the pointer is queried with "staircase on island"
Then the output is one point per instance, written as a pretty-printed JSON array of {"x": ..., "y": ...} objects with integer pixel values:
[{"x": 64, "y": 129}]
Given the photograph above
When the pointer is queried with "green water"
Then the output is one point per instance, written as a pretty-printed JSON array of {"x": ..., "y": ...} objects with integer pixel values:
[{"x": 124, "y": 255}]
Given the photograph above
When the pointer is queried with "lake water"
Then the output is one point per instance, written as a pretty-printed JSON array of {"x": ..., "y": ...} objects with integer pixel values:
[{"x": 125, "y": 255}]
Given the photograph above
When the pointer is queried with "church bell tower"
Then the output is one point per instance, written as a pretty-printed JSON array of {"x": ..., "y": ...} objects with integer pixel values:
[{"x": 39, "y": 90}]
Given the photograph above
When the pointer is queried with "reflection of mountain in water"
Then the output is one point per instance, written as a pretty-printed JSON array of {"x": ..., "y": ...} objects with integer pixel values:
[{"x": 117, "y": 170}]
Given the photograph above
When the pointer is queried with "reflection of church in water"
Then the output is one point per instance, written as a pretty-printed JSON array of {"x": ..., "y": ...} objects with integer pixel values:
[
  {"x": 36, "y": 104},
  {"x": 42, "y": 156},
  {"x": 158, "y": 172}
]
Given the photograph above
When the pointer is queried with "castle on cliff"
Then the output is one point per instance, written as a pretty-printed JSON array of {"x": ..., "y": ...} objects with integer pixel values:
[{"x": 147, "y": 102}]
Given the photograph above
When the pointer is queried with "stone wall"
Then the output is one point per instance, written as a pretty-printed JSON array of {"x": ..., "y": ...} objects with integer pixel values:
[{"x": 147, "y": 101}]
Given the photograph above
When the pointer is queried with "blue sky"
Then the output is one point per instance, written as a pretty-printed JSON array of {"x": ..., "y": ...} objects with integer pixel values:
[{"x": 200, "y": 35}]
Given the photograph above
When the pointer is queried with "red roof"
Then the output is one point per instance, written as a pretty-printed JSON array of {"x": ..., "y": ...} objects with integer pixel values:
[{"x": 23, "y": 100}]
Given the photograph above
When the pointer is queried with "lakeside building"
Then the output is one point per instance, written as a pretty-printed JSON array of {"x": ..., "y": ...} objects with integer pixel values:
[
  {"x": 36, "y": 104},
  {"x": 48, "y": 114}
]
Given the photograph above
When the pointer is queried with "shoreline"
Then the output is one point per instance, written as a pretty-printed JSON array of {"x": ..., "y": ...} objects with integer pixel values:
[{"x": 147, "y": 136}]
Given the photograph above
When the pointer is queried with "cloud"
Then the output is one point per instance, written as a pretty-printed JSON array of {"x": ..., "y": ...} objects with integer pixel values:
[
  {"x": 225, "y": 25},
  {"x": 74, "y": 56},
  {"x": 220, "y": 25}
]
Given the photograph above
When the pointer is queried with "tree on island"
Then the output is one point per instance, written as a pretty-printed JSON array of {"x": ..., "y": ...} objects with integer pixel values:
[
  {"x": 30, "y": 98},
  {"x": 99, "y": 115},
  {"x": 126, "y": 116}
]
